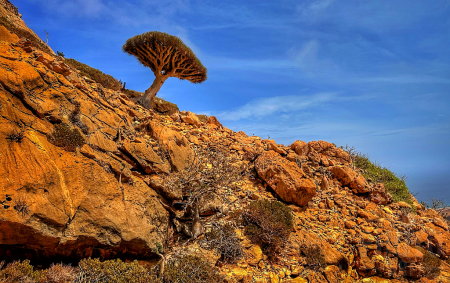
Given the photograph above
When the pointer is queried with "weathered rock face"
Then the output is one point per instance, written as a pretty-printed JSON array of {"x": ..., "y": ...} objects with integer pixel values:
[
  {"x": 59, "y": 204},
  {"x": 285, "y": 178},
  {"x": 409, "y": 254},
  {"x": 348, "y": 176}
]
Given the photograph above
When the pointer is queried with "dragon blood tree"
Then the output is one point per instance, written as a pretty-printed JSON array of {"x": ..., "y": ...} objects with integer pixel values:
[{"x": 167, "y": 56}]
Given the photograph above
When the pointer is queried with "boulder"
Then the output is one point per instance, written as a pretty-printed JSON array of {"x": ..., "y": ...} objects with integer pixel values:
[
  {"x": 328, "y": 152},
  {"x": 301, "y": 239},
  {"x": 409, "y": 254},
  {"x": 285, "y": 178},
  {"x": 379, "y": 195},
  {"x": 174, "y": 144},
  {"x": 190, "y": 118},
  {"x": 271, "y": 145},
  {"x": 300, "y": 147},
  {"x": 348, "y": 176}
]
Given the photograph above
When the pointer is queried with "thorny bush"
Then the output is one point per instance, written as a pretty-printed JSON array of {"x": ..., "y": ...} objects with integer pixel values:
[
  {"x": 268, "y": 223},
  {"x": 224, "y": 240},
  {"x": 211, "y": 168},
  {"x": 69, "y": 139},
  {"x": 191, "y": 269},
  {"x": 315, "y": 258}
]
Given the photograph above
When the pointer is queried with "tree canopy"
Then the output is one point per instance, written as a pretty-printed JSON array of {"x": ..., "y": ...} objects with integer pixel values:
[{"x": 166, "y": 55}]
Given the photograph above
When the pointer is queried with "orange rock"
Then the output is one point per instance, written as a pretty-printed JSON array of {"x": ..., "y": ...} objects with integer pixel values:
[
  {"x": 300, "y": 147},
  {"x": 347, "y": 176},
  {"x": 408, "y": 254},
  {"x": 285, "y": 178}
]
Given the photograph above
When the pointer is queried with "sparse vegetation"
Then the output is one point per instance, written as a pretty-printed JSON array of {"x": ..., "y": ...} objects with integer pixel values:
[
  {"x": 268, "y": 223},
  {"x": 112, "y": 271},
  {"x": 36, "y": 42},
  {"x": 395, "y": 185},
  {"x": 224, "y": 240},
  {"x": 431, "y": 263},
  {"x": 191, "y": 269},
  {"x": 167, "y": 56},
  {"x": 107, "y": 81},
  {"x": 315, "y": 258},
  {"x": 210, "y": 169},
  {"x": 69, "y": 139},
  {"x": 21, "y": 271},
  {"x": 15, "y": 136},
  {"x": 60, "y": 54},
  {"x": 21, "y": 206}
]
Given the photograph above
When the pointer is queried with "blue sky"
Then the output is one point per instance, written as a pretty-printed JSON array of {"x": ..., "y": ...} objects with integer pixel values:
[{"x": 370, "y": 74}]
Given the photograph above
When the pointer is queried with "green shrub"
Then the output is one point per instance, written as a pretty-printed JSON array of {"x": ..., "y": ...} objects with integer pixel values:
[
  {"x": 21, "y": 272},
  {"x": 191, "y": 269},
  {"x": 35, "y": 41},
  {"x": 430, "y": 262},
  {"x": 93, "y": 270},
  {"x": 268, "y": 223},
  {"x": 394, "y": 184},
  {"x": 67, "y": 138},
  {"x": 223, "y": 239},
  {"x": 105, "y": 80},
  {"x": 315, "y": 258}
]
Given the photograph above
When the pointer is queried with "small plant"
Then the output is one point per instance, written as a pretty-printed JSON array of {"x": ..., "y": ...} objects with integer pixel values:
[
  {"x": 60, "y": 54},
  {"x": 67, "y": 138},
  {"x": 105, "y": 80},
  {"x": 395, "y": 185},
  {"x": 61, "y": 273},
  {"x": 224, "y": 239},
  {"x": 111, "y": 271},
  {"x": 430, "y": 262},
  {"x": 21, "y": 206},
  {"x": 268, "y": 223},
  {"x": 15, "y": 136},
  {"x": 315, "y": 258},
  {"x": 191, "y": 269},
  {"x": 21, "y": 272}
]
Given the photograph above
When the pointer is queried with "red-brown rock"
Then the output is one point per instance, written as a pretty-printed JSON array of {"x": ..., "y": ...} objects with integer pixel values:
[{"x": 409, "y": 254}]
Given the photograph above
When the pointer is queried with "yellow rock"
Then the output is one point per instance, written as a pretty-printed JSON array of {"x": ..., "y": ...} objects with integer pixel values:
[
  {"x": 298, "y": 280},
  {"x": 387, "y": 210}
]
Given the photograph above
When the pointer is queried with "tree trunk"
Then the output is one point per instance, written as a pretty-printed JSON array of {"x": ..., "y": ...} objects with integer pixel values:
[{"x": 151, "y": 92}]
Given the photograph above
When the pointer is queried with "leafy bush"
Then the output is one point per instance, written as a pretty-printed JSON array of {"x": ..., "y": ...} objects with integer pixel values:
[
  {"x": 21, "y": 272},
  {"x": 394, "y": 184},
  {"x": 431, "y": 263},
  {"x": 224, "y": 239},
  {"x": 105, "y": 80},
  {"x": 93, "y": 270},
  {"x": 191, "y": 269},
  {"x": 67, "y": 138},
  {"x": 268, "y": 223},
  {"x": 36, "y": 42},
  {"x": 315, "y": 258}
]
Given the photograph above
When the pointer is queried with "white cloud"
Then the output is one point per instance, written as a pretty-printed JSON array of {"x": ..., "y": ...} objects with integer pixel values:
[{"x": 275, "y": 105}]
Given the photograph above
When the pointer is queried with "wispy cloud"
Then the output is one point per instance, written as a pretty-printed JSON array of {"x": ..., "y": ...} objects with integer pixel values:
[{"x": 276, "y": 104}]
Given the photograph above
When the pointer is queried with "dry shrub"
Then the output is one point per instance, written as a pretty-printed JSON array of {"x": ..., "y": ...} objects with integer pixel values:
[
  {"x": 210, "y": 169},
  {"x": 111, "y": 271},
  {"x": 107, "y": 81},
  {"x": 224, "y": 240},
  {"x": 268, "y": 223},
  {"x": 431, "y": 263},
  {"x": 315, "y": 258},
  {"x": 15, "y": 136},
  {"x": 60, "y": 273},
  {"x": 191, "y": 269},
  {"x": 21, "y": 272},
  {"x": 69, "y": 139}
]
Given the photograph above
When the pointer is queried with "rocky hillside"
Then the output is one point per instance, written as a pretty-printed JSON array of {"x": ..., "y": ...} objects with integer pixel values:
[{"x": 86, "y": 172}]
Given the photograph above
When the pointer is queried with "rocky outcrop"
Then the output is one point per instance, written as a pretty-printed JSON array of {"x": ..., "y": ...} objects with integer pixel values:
[{"x": 285, "y": 178}]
